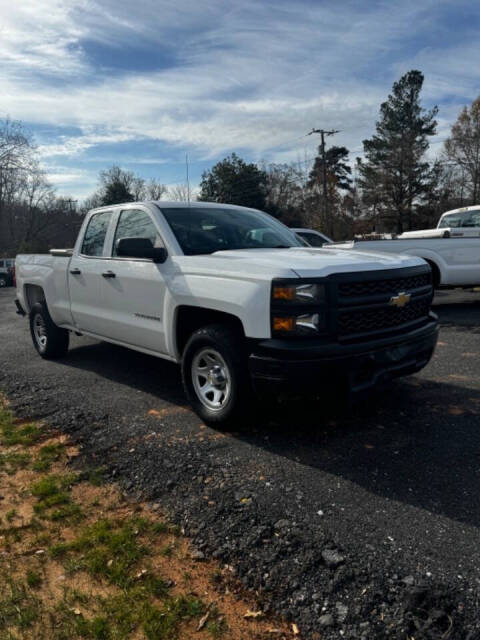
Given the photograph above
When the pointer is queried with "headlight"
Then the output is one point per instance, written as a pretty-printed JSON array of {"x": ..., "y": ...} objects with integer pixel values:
[
  {"x": 299, "y": 293},
  {"x": 298, "y": 309}
]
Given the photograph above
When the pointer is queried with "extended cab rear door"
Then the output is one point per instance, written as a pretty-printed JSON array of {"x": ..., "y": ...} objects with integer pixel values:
[
  {"x": 85, "y": 272},
  {"x": 134, "y": 290}
]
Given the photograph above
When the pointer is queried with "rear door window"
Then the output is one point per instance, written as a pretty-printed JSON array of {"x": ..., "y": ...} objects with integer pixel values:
[{"x": 94, "y": 238}]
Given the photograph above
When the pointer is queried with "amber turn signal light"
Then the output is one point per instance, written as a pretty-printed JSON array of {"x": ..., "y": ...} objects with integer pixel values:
[
  {"x": 283, "y": 324},
  {"x": 283, "y": 293}
]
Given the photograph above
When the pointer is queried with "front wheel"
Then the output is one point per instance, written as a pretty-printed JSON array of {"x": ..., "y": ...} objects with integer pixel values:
[
  {"x": 215, "y": 375},
  {"x": 49, "y": 340},
  {"x": 3, "y": 281}
]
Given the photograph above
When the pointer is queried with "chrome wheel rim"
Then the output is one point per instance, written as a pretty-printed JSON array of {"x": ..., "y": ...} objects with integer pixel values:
[
  {"x": 40, "y": 331},
  {"x": 211, "y": 379},
  {"x": 3, "y": 282}
]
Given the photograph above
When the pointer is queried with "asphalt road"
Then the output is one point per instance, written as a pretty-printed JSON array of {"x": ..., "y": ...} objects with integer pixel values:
[{"x": 390, "y": 486}]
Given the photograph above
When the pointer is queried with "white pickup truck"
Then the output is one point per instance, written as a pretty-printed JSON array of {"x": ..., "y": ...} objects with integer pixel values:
[
  {"x": 452, "y": 249},
  {"x": 234, "y": 297}
]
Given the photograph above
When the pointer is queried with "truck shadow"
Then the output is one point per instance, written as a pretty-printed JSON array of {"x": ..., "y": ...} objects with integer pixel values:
[{"x": 416, "y": 441}]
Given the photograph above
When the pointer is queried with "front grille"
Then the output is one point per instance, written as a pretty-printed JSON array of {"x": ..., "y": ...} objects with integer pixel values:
[
  {"x": 355, "y": 321},
  {"x": 391, "y": 286}
]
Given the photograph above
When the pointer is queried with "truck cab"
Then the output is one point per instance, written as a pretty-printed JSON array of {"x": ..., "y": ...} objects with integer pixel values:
[{"x": 462, "y": 218}]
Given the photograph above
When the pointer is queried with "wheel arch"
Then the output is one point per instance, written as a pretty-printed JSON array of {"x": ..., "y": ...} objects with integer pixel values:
[
  {"x": 436, "y": 273},
  {"x": 33, "y": 293},
  {"x": 190, "y": 318}
]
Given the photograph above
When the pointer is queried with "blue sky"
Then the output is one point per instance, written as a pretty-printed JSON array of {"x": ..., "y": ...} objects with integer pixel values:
[{"x": 141, "y": 83}]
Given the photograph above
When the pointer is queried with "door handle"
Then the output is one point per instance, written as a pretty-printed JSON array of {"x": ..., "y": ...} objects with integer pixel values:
[
  {"x": 108, "y": 274},
  {"x": 75, "y": 272}
]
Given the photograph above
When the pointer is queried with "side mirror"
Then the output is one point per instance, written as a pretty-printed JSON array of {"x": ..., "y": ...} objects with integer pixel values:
[{"x": 140, "y": 248}]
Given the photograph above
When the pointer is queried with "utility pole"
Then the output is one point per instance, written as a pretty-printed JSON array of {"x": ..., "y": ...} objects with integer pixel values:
[
  {"x": 188, "y": 179},
  {"x": 326, "y": 209}
]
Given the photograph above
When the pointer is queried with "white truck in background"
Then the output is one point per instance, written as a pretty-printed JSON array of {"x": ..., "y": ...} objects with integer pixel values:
[
  {"x": 233, "y": 296},
  {"x": 6, "y": 271},
  {"x": 452, "y": 249}
]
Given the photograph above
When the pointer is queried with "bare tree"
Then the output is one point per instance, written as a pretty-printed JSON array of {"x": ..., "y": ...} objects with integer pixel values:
[
  {"x": 178, "y": 192},
  {"x": 155, "y": 190},
  {"x": 463, "y": 149}
]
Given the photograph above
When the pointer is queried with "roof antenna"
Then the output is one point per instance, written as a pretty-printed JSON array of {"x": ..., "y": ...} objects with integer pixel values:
[{"x": 188, "y": 181}]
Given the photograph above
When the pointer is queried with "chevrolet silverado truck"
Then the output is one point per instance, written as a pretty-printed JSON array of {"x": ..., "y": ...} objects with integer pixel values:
[
  {"x": 235, "y": 298},
  {"x": 452, "y": 249}
]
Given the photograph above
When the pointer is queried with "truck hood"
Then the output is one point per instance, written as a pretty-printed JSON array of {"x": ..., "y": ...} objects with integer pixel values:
[{"x": 312, "y": 262}]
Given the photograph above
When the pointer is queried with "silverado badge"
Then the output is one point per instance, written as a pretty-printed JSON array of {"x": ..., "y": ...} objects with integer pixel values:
[{"x": 401, "y": 300}]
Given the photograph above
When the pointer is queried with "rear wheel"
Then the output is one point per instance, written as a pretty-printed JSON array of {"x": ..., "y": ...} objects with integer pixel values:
[
  {"x": 49, "y": 340},
  {"x": 3, "y": 281},
  {"x": 215, "y": 375}
]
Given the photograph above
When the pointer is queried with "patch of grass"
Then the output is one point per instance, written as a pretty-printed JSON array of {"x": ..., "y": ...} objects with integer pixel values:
[
  {"x": 66, "y": 511},
  {"x": 72, "y": 624},
  {"x": 54, "y": 500},
  {"x": 58, "y": 550},
  {"x": 164, "y": 622},
  {"x": 96, "y": 476},
  {"x": 167, "y": 551},
  {"x": 12, "y": 434},
  {"x": 163, "y": 528},
  {"x": 130, "y": 611},
  {"x": 160, "y": 528},
  {"x": 18, "y": 607},
  {"x": 108, "y": 550},
  {"x": 47, "y": 455},
  {"x": 11, "y": 515},
  {"x": 217, "y": 627},
  {"x": 34, "y": 579},
  {"x": 13, "y": 461}
]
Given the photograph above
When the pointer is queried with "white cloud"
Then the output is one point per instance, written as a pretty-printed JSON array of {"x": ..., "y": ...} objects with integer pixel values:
[{"x": 255, "y": 77}]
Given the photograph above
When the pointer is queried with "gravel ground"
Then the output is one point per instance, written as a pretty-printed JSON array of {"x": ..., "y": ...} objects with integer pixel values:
[{"x": 358, "y": 522}]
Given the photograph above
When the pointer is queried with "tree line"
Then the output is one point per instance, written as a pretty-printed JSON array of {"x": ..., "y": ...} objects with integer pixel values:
[{"x": 393, "y": 188}]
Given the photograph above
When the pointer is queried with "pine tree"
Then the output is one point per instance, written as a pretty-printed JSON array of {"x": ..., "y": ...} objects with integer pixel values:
[{"x": 395, "y": 172}]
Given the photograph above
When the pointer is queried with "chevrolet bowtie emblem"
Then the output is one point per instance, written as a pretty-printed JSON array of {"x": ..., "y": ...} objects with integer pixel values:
[{"x": 401, "y": 300}]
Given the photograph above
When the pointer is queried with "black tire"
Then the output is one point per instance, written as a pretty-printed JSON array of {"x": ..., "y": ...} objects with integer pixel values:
[
  {"x": 54, "y": 341},
  {"x": 227, "y": 343},
  {"x": 3, "y": 281}
]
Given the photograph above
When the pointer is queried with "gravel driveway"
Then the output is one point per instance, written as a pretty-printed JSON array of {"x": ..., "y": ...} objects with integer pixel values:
[{"x": 355, "y": 522}]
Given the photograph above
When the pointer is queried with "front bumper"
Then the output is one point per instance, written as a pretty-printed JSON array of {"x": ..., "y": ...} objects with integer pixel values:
[{"x": 292, "y": 364}]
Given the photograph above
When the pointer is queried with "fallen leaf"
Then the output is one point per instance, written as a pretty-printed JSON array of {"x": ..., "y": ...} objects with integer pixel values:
[
  {"x": 253, "y": 614},
  {"x": 140, "y": 574},
  {"x": 203, "y": 621},
  {"x": 295, "y": 629}
]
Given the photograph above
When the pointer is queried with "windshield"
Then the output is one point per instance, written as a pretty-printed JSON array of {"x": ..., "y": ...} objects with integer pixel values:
[
  {"x": 200, "y": 230},
  {"x": 461, "y": 219}
]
